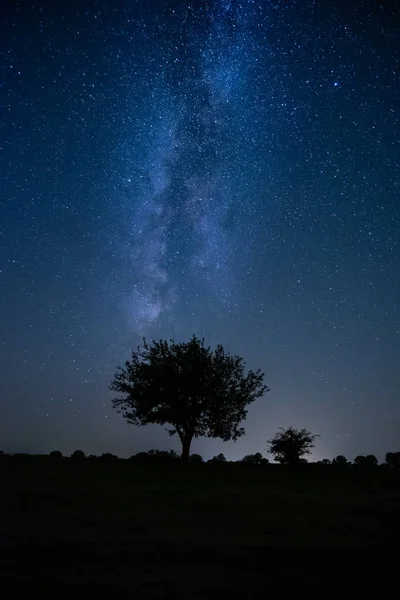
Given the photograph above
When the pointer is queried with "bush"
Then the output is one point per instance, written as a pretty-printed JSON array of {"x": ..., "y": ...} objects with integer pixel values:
[
  {"x": 366, "y": 461},
  {"x": 78, "y": 455},
  {"x": 156, "y": 456},
  {"x": 139, "y": 457},
  {"x": 219, "y": 458},
  {"x": 289, "y": 446},
  {"x": 55, "y": 455},
  {"x": 108, "y": 457},
  {"x": 392, "y": 459},
  {"x": 340, "y": 460},
  {"x": 196, "y": 458},
  {"x": 255, "y": 459}
]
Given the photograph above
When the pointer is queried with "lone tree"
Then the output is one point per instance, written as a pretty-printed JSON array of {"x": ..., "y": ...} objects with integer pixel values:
[
  {"x": 288, "y": 446},
  {"x": 194, "y": 390}
]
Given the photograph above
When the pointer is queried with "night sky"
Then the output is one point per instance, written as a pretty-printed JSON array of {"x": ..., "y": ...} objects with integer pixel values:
[{"x": 222, "y": 168}]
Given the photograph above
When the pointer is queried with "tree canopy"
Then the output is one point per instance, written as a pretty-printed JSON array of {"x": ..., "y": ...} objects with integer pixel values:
[
  {"x": 392, "y": 459},
  {"x": 194, "y": 390},
  {"x": 366, "y": 461},
  {"x": 78, "y": 455},
  {"x": 340, "y": 460},
  {"x": 218, "y": 458},
  {"x": 288, "y": 446},
  {"x": 55, "y": 454}
]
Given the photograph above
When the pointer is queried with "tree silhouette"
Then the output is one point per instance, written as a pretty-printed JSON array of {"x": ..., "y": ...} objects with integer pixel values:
[
  {"x": 340, "y": 460},
  {"x": 78, "y": 455},
  {"x": 194, "y": 390},
  {"x": 218, "y": 458},
  {"x": 155, "y": 456},
  {"x": 196, "y": 458},
  {"x": 255, "y": 459},
  {"x": 108, "y": 457},
  {"x": 392, "y": 459},
  {"x": 288, "y": 446},
  {"x": 55, "y": 455},
  {"x": 366, "y": 461},
  {"x": 139, "y": 457}
]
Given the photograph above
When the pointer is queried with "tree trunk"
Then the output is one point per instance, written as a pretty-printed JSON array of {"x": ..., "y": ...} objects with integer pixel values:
[{"x": 186, "y": 441}]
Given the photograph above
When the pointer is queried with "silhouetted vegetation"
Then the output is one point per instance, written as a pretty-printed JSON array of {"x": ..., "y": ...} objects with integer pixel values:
[
  {"x": 288, "y": 446},
  {"x": 108, "y": 457},
  {"x": 196, "y": 459},
  {"x": 392, "y": 459},
  {"x": 219, "y": 458},
  {"x": 55, "y": 455},
  {"x": 78, "y": 455},
  {"x": 187, "y": 386},
  {"x": 366, "y": 461},
  {"x": 255, "y": 459},
  {"x": 155, "y": 457},
  {"x": 340, "y": 461},
  {"x": 162, "y": 457}
]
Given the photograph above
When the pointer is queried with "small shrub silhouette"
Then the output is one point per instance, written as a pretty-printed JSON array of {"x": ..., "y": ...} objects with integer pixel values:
[
  {"x": 219, "y": 458},
  {"x": 108, "y": 457},
  {"x": 55, "y": 455},
  {"x": 78, "y": 455},
  {"x": 340, "y": 460},
  {"x": 196, "y": 459},
  {"x": 255, "y": 459},
  {"x": 392, "y": 459}
]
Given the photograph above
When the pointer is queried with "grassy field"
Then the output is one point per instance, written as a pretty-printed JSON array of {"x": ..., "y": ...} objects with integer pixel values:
[{"x": 208, "y": 531}]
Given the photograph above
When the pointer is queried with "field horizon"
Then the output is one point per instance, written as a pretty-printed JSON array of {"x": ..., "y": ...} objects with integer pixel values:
[{"x": 193, "y": 531}]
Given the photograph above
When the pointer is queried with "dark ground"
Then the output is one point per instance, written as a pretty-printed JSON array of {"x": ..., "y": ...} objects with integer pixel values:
[{"x": 208, "y": 531}]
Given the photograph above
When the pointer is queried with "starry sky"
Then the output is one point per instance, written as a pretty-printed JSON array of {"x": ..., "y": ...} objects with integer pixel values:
[{"x": 228, "y": 168}]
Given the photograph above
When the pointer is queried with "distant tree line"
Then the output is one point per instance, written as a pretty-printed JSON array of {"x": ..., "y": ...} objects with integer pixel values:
[{"x": 392, "y": 459}]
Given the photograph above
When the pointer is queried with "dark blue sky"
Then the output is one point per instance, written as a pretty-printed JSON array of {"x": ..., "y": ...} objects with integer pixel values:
[{"x": 223, "y": 168}]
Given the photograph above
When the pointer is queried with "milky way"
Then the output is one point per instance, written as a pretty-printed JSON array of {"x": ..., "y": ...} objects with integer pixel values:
[
  {"x": 223, "y": 168},
  {"x": 185, "y": 194}
]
